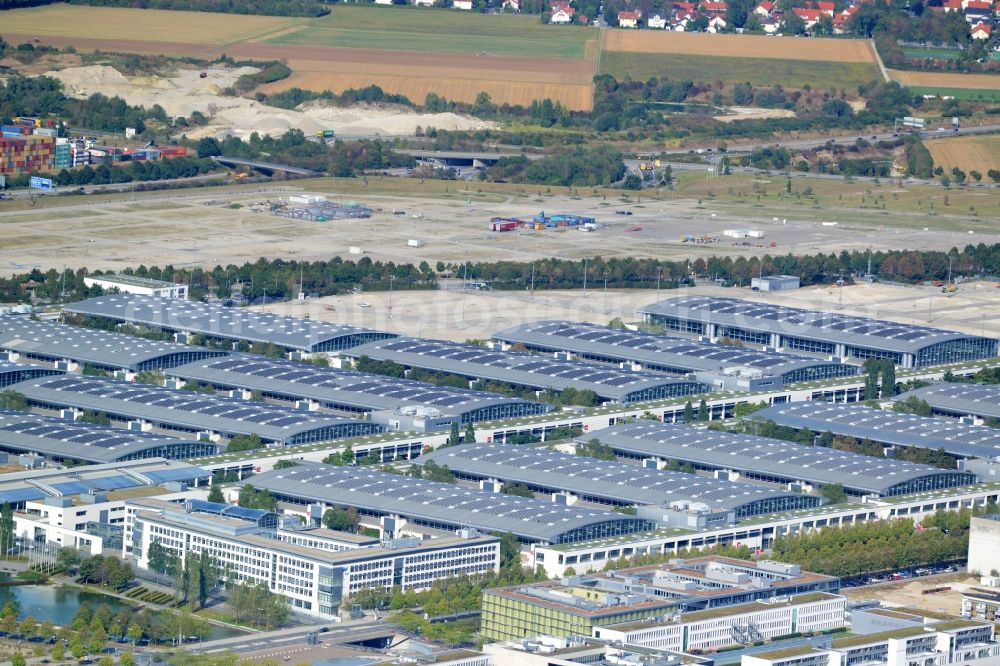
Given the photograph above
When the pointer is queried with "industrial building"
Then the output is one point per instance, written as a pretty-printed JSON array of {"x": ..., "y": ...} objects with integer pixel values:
[
  {"x": 210, "y": 418},
  {"x": 984, "y": 544},
  {"x": 572, "y": 477},
  {"x": 518, "y": 369},
  {"x": 140, "y": 286},
  {"x": 12, "y": 373},
  {"x": 63, "y": 440},
  {"x": 398, "y": 403},
  {"x": 84, "y": 508},
  {"x": 314, "y": 581},
  {"x": 827, "y": 333},
  {"x": 73, "y": 347},
  {"x": 723, "y": 366},
  {"x": 981, "y": 401},
  {"x": 732, "y": 626},
  {"x": 396, "y": 501},
  {"x": 774, "y": 283},
  {"x": 232, "y": 325},
  {"x": 575, "y": 605},
  {"x": 888, "y": 427},
  {"x": 892, "y": 637},
  {"x": 773, "y": 460}
]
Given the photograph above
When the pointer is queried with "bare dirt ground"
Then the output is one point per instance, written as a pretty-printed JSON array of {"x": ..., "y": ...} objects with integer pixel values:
[
  {"x": 753, "y": 113},
  {"x": 908, "y": 593},
  {"x": 981, "y": 153},
  {"x": 456, "y": 314},
  {"x": 946, "y": 79},
  {"x": 197, "y": 228},
  {"x": 757, "y": 46},
  {"x": 185, "y": 92}
]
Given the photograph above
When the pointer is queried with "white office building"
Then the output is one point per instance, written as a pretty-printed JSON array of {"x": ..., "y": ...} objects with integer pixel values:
[
  {"x": 315, "y": 580},
  {"x": 133, "y": 284}
]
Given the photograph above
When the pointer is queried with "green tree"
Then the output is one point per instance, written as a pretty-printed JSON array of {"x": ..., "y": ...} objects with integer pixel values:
[
  {"x": 594, "y": 448},
  {"x": 517, "y": 489},
  {"x": 688, "y": 412},
  {"x": 833, "y": 493},
  {"x": 126, "y": 659},
  {"x": 344, "y": 520},
  {"x": 285, "y": 463},
  {"x": 510, "y": 550},
  {"x": 17, "y": 659},
  {"x": 470, "y": 434},
  {"x": 13, "y": 400},
  {"x": 702, "y": 410},
  {"x": 59, "y": 651},
  {"x": 215, "y": 493},
  {"x": 7, "y": 535},
  {"x": 249, "y": 442},
  {"x": 454, "y": 438}
]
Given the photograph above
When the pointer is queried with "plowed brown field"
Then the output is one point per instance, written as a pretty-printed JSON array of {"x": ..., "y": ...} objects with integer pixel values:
[
  {"x": 754, "y": 46},
  {"x": 968, "y": 153}
]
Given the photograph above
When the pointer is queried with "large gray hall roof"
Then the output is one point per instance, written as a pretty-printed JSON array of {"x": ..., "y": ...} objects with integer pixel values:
[
  {"x": 12, "y": 373},
  {"x": 809, "y": 324},
  {"x": 107, "y": 349},
  {"x": 189, "y": 410},
  {"x": 343, "y": 387},
  {"x": 437, "y": 503},
  {"x": 656, "y": 350},
  {"x": 608, "y": 480},
  {"x": 523, "y": 369},
  {"x": 960, "y": 399},
  {"x": 888, "y": 427},
  {"x": 770, "y": 458},
  {"x": 62, "y": 438},
  {"x": 230, "y": 323}
]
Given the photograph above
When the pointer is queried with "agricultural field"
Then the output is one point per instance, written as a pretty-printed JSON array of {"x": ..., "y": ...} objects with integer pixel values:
[
  {"x": 738, "y": 46},
  {"x": 401, "y": 28},
  {"x": 960, "y": 86},
  {"x": 968, "y": 153},
  {"x": 933, "y": 54},
  {"x": 110, "y": 24},
  {"x": 823, "y": 64},
  {"x": 756, "y": 71}
]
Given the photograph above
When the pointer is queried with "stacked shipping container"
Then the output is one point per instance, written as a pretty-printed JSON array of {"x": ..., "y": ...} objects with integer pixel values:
[{"x": 26, "y": 154}]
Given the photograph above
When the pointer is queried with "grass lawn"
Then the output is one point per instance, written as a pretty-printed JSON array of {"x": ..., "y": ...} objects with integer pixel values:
[
  {"x": 937, "y": 54},
  {"x": 400, "y": 28},
  {"x": 959, "y": 93},
  {"x": 757, "y": 71}
]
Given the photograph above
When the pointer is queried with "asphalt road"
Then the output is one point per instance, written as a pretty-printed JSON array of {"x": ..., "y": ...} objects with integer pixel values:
[{"x": 353, "y": 630}]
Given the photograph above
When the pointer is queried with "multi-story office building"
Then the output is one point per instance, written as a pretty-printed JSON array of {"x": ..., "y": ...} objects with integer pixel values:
[{"x": 315, "y": 581}]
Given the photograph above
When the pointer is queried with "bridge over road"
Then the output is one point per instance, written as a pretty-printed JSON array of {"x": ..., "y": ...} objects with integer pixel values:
[
  {"x": 462, "y": 159},
  {"x": 266, "y": 167}
]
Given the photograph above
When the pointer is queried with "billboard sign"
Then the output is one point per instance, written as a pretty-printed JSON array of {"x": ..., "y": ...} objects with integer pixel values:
[{"x": 37, "y": 183}]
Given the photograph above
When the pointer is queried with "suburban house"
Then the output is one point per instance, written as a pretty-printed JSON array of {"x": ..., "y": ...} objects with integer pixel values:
[
  {"x": 512, "y": 5},
  {"x": 629, "y": 19},
  {"x": 716, "y": 7},
  {"x": 424, "y": 3},
  {"x": 981, "y": 31},
  {"x": 764, "y": 9},
  {"x": 952, "y": 6},
  {"x": 771, "y": 26},
  {"x": 808, "y": 16},
  {"x": 716, "y": 24},
  {"x": 562, "y": 13},
  {"x": 656, "y": 21},
  {"x": 977, "y": 11},
  {"x": 827, "y": 8},
  {"x": 462, "y": 4}
]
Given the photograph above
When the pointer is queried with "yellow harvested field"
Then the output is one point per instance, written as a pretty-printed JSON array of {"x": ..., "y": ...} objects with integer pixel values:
[
  {"x": 946, "y": 80},
  {"x": 752, "y": 46},
  {"x": 114, "y": 23},
  {"x": 968, "y": 153}
]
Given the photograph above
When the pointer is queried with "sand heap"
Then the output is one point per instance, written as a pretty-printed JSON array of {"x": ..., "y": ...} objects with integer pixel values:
[{"x": 186, "y": 92}]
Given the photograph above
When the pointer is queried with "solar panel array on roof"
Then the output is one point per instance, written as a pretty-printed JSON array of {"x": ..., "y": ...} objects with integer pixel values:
[
  {"x": 346, "y": 388},
  {"x": 230, "y": 323},
  {"x": 443, "y": 504},
  {"x": 825, "y": 326},
  {"x": 527, "y": 369},
  {"x": 773, "y": 459},
  {"x": 60, "y": 438},
  {"x": 888, "y": 427},
  {"x": 655, "y": 350},
  {"x": 957, "y": 399},
  {"x": 106, "y": 349},
  {"x": 611, "y": 481},
  {"x": 191, "y": 410}
]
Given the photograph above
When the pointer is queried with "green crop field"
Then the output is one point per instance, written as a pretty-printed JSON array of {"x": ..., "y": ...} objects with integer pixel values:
[
  {"x": 959, "y": 93},
  {"x": 400, "y": 28},
  {"x": 757, "y": 71}
]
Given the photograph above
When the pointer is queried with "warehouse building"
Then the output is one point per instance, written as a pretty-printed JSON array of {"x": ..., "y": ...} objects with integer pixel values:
[
  {"x": 827, "y": 333},
  {"x": 62, "y": 440},
  {"x": 981, "y": 401},
  {"x": 576, "y": 605},
  {"x": 888, "y": 427},
  {"x": 671, "y": 495},
  {"x": 314, "y": 581},
  {"x": 724, "y": 366},
  {"x": 231, "y": 325},
  {"x": 140, "y": 286},
  {"x": 518, "y": 369},
  {"x": 398, "y": 403},
  {"x": 209, "y": 418},
  {"x": 774, "y": 461},
  {"x": 396, "y": 501},
  {"x": 12, "y": 373},
  {"x": 72, "y": 347},
  {"x": 775, "y": 283}
]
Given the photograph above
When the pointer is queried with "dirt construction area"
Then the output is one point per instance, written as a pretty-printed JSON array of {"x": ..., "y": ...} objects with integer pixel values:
[
  {"x": 757, "y": 46},
  {"x": 968, "y": 153},
  {"x": 908, "y": 594}
]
